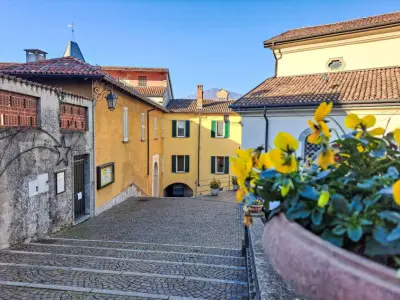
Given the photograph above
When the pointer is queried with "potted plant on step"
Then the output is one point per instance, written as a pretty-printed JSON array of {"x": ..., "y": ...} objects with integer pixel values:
[
  {"x": 215, "y": 186},
  {"x": 256, "y": 206},
  {"x": 235, "y": 183},
  {"x": 336, "y": 231}
]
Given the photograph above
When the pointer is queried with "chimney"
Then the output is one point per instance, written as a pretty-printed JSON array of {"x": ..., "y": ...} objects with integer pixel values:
[
  {"x": 34, "y": 55},
  {"x": 200, "y": 96}
]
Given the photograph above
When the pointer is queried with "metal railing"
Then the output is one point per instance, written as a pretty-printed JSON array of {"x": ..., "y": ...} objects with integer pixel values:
[{"x": 202, "y": 187}]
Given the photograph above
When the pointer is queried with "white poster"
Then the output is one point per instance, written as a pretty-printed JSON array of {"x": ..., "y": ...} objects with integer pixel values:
[{"x": 60, "y": 182}]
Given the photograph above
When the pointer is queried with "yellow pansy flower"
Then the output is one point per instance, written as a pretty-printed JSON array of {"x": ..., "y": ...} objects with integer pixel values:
[
  {"x": 396, "y": 136},
  {"x": 283, "y": 162},
  {"x": 286, "y": 142},
  {"x": 396, "y": 192},
  {"x": 240, "y": 195},
  {"x": 320, "y": 126},
  {"x": 352, "y": 121},
  {"x": 323, "y": 199},
  {"x": 326, "y": 158},
  {"x": 264, "y": 161}
]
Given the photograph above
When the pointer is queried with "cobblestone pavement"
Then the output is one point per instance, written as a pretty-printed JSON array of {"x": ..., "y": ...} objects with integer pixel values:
[{"x": 172, "y": 248}]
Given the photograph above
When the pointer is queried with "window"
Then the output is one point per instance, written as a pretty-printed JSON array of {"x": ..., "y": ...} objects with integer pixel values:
[
  {"x": 17, "y": 110},
  {"x": 180, "y": 163},
  {"x": 155, "y": 128},
  {"x": 142, "y": 80},
  {"x": 143, "y": 134},
  {"x": 220, "y": 128},
  {"x": 310, "y": 150},
  {"x": 181, "y": 128},
  {"x": 162, "y": 128},
  {"x": 220, "y": 164},
  {"x": 335, "y": 64},
  {"x": 125, "y": 128}
]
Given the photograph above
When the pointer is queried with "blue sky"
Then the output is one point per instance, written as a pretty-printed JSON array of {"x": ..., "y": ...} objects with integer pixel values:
[{"x": 215, "y": 43}]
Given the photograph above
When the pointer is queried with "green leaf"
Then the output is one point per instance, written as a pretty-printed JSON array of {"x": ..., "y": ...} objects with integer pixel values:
[
  {"x": 339, "y": 203},
  {"x": 309, "y": 193},
  {"x": 322, "y": 175},
  {"x": 391, "y": 216},
  {"x": 355, "y": 233},
  {"x": 298, "y": 212},
  {"x": 374, "y": 248},
  {"x": 339, "y": 230},
  {"x": 393, "y": 172},
  {"x": 316, "y": 216},
  {"x": 386, "y": 191},
  {"x": 369, "y": 201},
  {"x": 394, "y": 235},
  {"x": 380, "y": 234},
  {"x": 336, "y": 240},
  {"x": 355, "y": 204},
  {"x": 378, "y": 153},
  {"x": 268, "y": 173}
]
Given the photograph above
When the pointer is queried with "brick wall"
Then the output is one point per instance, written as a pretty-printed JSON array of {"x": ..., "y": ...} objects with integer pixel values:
[
  {"x": 73, "y": 117},
  {"x": 17, "y": 110}
]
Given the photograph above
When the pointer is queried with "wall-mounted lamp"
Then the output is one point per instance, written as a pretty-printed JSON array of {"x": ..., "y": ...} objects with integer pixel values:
[
  {"x": 111, "y": 100},
  {"x": 226, "y": 118}
]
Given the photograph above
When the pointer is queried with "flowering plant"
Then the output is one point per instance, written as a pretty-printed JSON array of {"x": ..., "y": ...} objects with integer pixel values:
[
  {"x": 349, "y": 194},
  {"x": 215, "y": 184}
]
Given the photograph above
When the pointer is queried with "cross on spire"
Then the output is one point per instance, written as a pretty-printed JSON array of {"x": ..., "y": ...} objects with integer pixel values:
[{"x": 72, "y": 30}]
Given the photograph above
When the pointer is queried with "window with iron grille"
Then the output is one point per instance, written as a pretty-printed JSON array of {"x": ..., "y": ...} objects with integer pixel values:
[
  {"x": 310, "y": 150},
  {"x": 17, "y": 110},
  {"x": 142, "y": 80},
  {"x": 73, "y": 117}
]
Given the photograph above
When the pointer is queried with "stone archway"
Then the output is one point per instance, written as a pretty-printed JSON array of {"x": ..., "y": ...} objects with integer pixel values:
[{"x": 155, "y": 180}]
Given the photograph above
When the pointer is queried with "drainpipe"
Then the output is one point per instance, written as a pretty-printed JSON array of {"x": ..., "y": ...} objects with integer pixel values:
[
  {"x": 198, "y": 153},
  {"x": 266, "y": 129},
  {"x": 148, "y": 140},
  {"x": 276, "y": 60}
]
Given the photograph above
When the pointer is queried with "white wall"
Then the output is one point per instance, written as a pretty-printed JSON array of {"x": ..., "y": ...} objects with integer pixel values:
[{"x": 295, "y": 123}]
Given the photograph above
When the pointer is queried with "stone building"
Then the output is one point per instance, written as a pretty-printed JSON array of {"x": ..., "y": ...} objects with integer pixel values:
[{"x": 46, "y": 159}]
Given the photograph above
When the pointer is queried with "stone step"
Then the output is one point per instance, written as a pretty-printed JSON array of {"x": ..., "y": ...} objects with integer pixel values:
[
  {"x": 117, "y": 283},
  {"x": 133, "y": 254},
  {"x": 143, "y": 246},
  {"x": 15, "y": 290},
  {"x": 115, "y": 264}
]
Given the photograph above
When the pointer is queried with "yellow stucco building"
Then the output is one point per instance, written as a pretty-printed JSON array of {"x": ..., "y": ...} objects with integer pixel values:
[{"x": 199, "y": 137}]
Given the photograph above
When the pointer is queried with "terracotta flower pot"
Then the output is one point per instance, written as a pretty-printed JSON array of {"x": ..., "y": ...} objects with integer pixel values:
[
  {"x": 255, "y": 209},
  {"x": 320, "y": 270}
]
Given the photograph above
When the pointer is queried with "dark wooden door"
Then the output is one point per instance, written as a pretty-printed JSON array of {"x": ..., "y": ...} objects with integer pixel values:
[{"x": 79, "y": 184}]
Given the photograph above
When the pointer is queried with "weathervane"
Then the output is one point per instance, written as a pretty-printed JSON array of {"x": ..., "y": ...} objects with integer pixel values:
[{"x": 72, "y": 30}]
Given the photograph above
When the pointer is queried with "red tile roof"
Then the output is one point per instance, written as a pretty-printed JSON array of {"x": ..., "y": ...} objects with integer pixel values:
[
  {"x": 139, "y": 69},
  {"x": 335, "y": 28},
  {"x": 361, "y": 86},
  {"x": 7, "y": 64},
  {"x": 151, "y": 91},
  {"x": 71, "y": 67},
  {"x": 64, "y": 66},
  {"x": 190, "y": 105}
]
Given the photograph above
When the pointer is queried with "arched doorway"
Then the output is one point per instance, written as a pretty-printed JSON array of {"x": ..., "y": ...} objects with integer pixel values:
[
  {"x": 178, "y": 190},
  {"x": 155, "y": 179}
]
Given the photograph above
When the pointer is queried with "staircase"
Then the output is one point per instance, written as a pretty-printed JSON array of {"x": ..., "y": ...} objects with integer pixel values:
[{"x": 63, "y": 268}]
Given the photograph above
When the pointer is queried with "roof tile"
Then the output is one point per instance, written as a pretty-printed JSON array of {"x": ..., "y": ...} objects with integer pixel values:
[
  {"x": 139, "y": 69},
  {"x": 361, "y": 86},
  {"x": 151, "y": 91},
  {"x": 190, "y": 105},
  {"x": 340, "y": 27}
]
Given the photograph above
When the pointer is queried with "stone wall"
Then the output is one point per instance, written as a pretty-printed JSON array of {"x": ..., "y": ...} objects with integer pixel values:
[{"x": 29, "y": 160}]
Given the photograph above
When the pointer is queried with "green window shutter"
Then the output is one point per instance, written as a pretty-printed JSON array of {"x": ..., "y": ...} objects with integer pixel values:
[
  {"x": 213, "y": 164},
  {"x": 187, "y": 123},
  {"x": 173, "y": 163},
  {"x": 213, "y": 128},
  {"x": 227, "y": 129},
  {"x": 226, "y": 171},
  {"x": 187, "y": 163},
  {"x": 173, "y": 128}
]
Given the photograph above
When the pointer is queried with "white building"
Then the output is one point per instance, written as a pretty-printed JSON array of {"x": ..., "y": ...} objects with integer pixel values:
[{"x": 354, "y": 64}]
